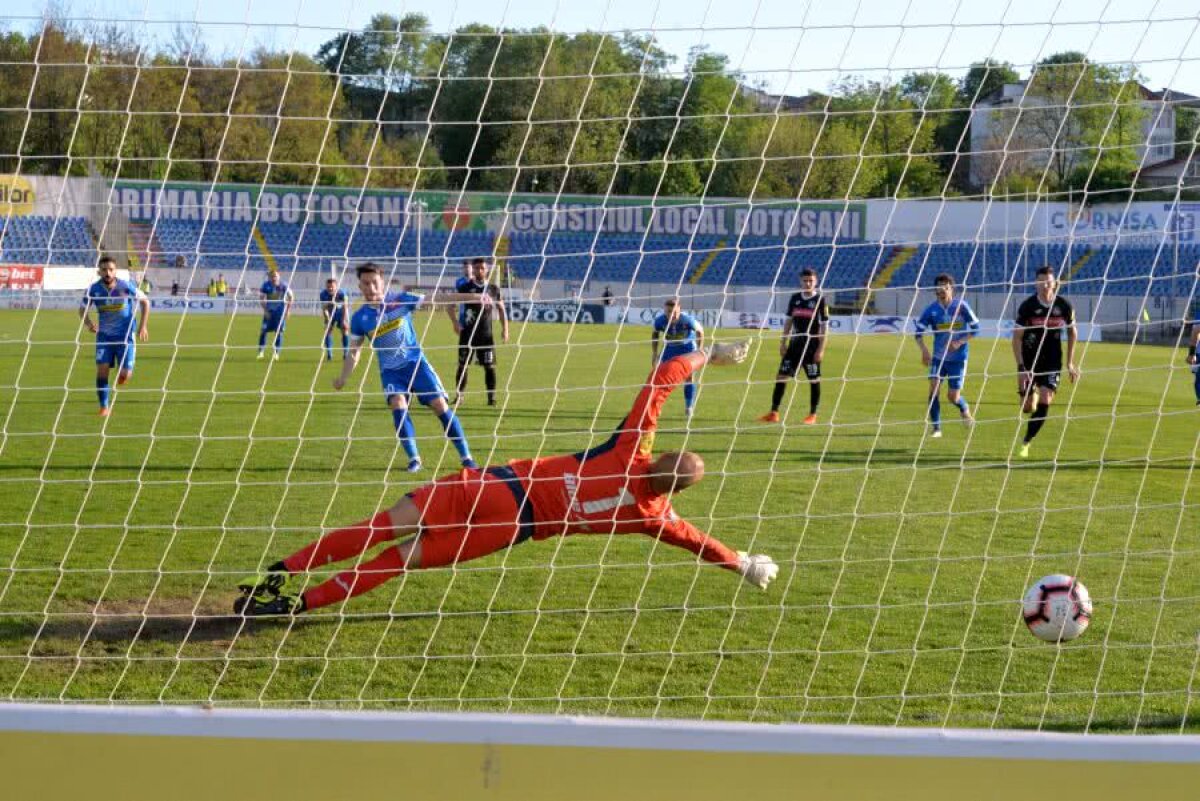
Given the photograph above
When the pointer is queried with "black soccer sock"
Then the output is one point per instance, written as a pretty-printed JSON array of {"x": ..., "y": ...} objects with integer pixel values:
[
  {"x": 777, "y": 395},
  {"x": 1036, "y": 421},
  {"x": 814, "y": 396},
  {"x": 489, "y": 378}
]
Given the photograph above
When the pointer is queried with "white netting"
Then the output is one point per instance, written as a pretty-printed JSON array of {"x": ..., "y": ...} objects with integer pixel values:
[{"x": 601, "y": 161}]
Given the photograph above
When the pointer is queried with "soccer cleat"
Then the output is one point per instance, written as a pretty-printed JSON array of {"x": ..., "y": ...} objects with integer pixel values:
[
  {"x": 268, "y": 584},
  {"x": 261, "y": 355},
  {"x": 687, "y": 413},
  {"x": 811, "y": 420},
  {"x": 268, "y": 606},
  {"x": 275, "y": 356},
  {"x": 769, "y": 417},
  {"x": 758, "y": 569},
  {"x": 122, "y": 379},
  {"x": 968, "y": 419},
  {"x": 491, "y": 401},
  {"x": 414, "y": 466},
  {"x": 936, "y": 433},
  {"x": 470, "y": 464},
  {"x": 105, "y": 411},
  {"x": 1024, "y": 452}
]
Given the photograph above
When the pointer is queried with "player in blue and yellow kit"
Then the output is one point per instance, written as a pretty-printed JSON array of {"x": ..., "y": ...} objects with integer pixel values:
[
  {"x": 683, "y": 334},
  {"x": 953, "y": 324},
  {"x": 386, "y": 321},
  {"x": 276, "y": 299},
  {"x": 333, "y": 309},
  {"x": 117, "y": 303}
]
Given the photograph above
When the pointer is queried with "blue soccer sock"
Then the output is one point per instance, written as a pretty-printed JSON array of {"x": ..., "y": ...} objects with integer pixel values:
[
  {"x": 278, "y": 342},
  {"x": 689, "y": 395},
  {"x": 454, "y": 433},
  {"x": 962, "y": 405},
  {"x": 935, "y": 411},
  {"x": 328, "y": 346},
  {"x": 262, "y": 339},
  {"x": 1197, "y": 386},
  {"x": 102, "y": 391},
  {"x": 345, "y": 346},
  {"x": 406, "y": 432}
]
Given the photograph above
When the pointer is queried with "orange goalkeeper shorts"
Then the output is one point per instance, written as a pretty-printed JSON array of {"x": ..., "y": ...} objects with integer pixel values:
[{"x": 470, "y": 514}]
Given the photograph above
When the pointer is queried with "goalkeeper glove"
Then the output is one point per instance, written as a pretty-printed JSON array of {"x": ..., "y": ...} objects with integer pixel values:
[
  {"x": 758, "y": 568},
  {"x": 724, "y": 353}
]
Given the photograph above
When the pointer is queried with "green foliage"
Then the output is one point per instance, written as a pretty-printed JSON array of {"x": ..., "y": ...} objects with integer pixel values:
[{"x": 396, "y": 105}]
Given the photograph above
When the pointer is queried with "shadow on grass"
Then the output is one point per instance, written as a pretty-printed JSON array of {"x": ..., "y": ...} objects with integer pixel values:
[{"x": 167, "y": 622}]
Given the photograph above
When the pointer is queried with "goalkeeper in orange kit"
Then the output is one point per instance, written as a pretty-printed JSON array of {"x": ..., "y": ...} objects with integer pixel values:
[{"x": 613, "y": 488}]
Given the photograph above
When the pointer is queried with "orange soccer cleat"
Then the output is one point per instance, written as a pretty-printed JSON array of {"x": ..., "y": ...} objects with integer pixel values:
[
  {"x": 105, "y": 411},
  {"x": 769, "y": 417},
  {"x": 811, "y": 420}
]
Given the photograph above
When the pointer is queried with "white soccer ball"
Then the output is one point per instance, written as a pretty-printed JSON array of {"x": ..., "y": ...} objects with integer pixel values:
[{"x": 1057, "y": 608}]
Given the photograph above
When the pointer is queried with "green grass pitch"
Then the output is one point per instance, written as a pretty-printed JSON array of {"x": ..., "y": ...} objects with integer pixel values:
[{"x": 903, "y": 559}]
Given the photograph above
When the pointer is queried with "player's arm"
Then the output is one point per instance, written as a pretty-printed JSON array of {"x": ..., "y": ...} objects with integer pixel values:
[
  {"x": 786, "y": 337},
  {"x": 922, "y": 327},
  {"x": 1024, "y": 371},
  {"x": 1195, "y": 341},
  {"x": 288, "y": 297},
  {"x": 642, "y": 420},
  {"x": 143, "y": 332},
  {"x": 264, "y": 302},
  {"x": 758, "y": 569},
  {"x": 969, "y": 330},
  {"x": 699, "y": 334},
  {"x": 822, "y": 331},
  {"x": 655, "y": 335},
  {"x": 452, "y": 313},
  {"x": 502, "y": 310},
  {"x": 350, "y": 362},
  {"x": 1018, "y": 334},
  {"x": 85, "y": 307},
  {"x": 440, "y": 297},
  {"x": 1072, "y": 338}
]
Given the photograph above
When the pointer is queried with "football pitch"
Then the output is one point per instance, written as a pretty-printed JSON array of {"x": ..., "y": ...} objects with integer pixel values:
[{"x": 903, "y": 559}]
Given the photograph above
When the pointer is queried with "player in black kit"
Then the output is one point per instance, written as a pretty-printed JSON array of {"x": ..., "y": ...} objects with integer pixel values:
[
  {"x": 1037, "y": 345},
  {"x": 474, "y": 326},
  {"x": 802, "y": 346}
]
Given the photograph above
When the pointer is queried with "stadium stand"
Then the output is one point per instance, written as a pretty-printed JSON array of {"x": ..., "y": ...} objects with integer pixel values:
[
  {"x": 46, "y": 240},
  {"x": 1115, "y": 269}
]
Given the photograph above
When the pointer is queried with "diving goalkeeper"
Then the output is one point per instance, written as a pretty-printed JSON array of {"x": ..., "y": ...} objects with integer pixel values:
[{"x": 614, "y": 488}]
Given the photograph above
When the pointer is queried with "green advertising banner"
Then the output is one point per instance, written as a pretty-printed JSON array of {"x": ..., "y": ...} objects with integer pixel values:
[{"x": 145, "y": 201}]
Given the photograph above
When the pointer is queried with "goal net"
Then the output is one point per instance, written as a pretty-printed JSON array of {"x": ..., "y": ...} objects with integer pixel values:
[{"x": 587, "y": 168}]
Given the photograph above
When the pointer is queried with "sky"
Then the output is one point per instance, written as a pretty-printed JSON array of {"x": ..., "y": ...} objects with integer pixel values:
[{"x": 788, "y": 46}]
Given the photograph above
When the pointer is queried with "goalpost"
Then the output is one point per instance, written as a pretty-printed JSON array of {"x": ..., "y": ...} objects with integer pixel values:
[{"x": 604, "y": 161}]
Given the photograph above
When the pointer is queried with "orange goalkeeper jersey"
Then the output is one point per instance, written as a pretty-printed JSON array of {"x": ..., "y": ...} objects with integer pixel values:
[{"x": 607, "y": 489}]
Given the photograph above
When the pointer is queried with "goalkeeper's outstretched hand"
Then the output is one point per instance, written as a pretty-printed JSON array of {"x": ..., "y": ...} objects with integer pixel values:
[
  {"x": 757, "y": 568},
  {"x": 723, "y": 353}
]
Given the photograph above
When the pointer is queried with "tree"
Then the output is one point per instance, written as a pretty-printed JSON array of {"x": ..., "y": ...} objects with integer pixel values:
[
  {"x": 985, "y": 77},
  {"x": 17, "y": 54},
  {"x": 1086, "y": 117}
]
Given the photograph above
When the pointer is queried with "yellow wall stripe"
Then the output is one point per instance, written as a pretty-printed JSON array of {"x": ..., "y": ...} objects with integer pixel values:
[{"x": 265, "y": 250}]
